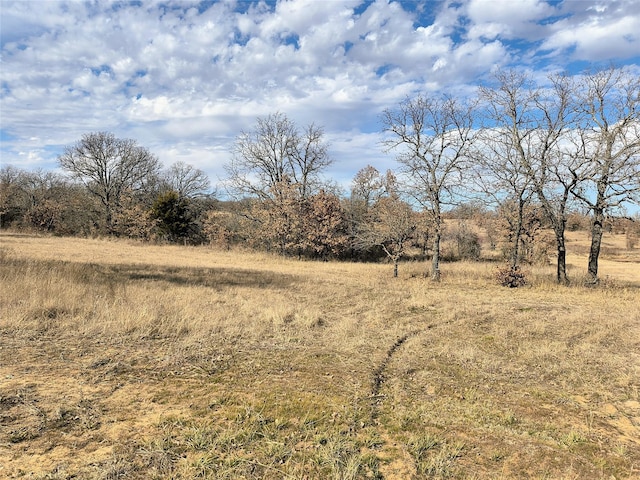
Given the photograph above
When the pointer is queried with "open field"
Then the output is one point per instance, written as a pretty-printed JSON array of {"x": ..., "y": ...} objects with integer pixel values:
[{"x": 123, "y": 360}]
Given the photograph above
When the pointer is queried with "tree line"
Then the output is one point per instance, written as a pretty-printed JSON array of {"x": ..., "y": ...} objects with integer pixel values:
[{"x": 527, "y": 154}]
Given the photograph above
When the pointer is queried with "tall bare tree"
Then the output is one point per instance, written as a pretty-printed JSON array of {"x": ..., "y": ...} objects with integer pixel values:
[
  {"x": 186, "y": 180},
  {"x": 109, "y": 167},
  {"x": 503, "y": 180},
  {"x": 528, "y": 123},
  {"x": 609, "y": 135},
  {"x": 277, "y": 153},
  {"x": 433, "y": 136}
]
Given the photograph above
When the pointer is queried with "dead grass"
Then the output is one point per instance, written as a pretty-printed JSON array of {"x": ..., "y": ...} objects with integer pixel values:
[{"x": 122, "y": 360}]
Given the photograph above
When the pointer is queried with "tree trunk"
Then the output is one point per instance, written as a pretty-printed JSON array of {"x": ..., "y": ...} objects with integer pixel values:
[
  {"x": 395, "y": 269},
  {"x": 518, "y": 235},
  {"x": 435, "y": 264},
  {"x": 596, "y": 241},
  {"x": 562, "y": 261},
  {"x": 559, "y": 224},
  {"x": 109, "y": 220}
]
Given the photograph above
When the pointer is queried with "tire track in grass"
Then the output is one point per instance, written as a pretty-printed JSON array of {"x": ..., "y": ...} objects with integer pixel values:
[
  {"x": 396, "y": 466},
  {"x": 379, "y": 374},
  {"x": 392, "y": 464}
]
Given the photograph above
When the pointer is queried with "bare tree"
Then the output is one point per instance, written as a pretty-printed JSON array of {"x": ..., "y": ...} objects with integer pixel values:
[
  {"x": 390, "y": 225},
  {"x": 277, "y": 153},
  {"x": 529, "y": 124},
  {"x": 433, "y": 136},
  {"x": 187, "y": 181},
  {"x": 367, "y": 187},
  {"x": 610, "y": 138},
  {"x": 504, "y": 181},
  {"x": 309, "y": 156},
  {"x": 109, "y": 167}
]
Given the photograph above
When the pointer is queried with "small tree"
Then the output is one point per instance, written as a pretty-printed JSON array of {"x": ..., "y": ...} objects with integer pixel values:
[
  {"x": 280, "y": 221},
  {"x": 175, "y": 220},
  {"x": 466, "y": 240},
  {"x": 325, "y": 229},
  {"x": 135, "y": 220},
  {"x": 391, "y": 225},
  {"x": 219, "y": 228},
  {"x": 367, "y": 187}
]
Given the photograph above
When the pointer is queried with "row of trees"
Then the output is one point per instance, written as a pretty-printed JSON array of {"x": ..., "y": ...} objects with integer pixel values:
[
  {"x": 114, "y": 186},
  {"x": 518, "y": 147},
  {"x": 569, "y": 140},
  {"x": 572, "y": 139}
]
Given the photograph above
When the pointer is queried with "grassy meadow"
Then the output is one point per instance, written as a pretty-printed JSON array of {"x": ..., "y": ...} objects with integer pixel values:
[{"x": 124, "y": 360}]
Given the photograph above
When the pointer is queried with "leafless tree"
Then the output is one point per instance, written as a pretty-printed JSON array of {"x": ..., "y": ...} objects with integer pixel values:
[
  {"x": 503, "y": 180},
  {"x": 109, "y": 167},
  {"x": 277, "y": 153},
  {"x": 528, "y": 124},
  {"x": 367, "y": 186},
  {"x": 187, "y": 181},
  {"x": 433, "y": 136},
  {"x": 609, "y": 136}
]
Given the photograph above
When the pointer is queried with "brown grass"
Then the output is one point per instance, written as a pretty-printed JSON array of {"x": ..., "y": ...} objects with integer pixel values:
[{"x": 123, "y": 360}]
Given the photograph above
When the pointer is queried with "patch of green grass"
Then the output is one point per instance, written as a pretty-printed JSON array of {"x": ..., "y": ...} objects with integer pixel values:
[{"x": 434, "y": 458}]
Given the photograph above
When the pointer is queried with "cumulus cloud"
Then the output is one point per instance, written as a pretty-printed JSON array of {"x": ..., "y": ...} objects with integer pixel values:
[
  {"x": 184, "y": 78},
  {"x": 597, "y": 31}
]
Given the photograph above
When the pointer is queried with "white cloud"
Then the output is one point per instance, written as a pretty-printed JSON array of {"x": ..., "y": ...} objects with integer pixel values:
[
  {"x": 507, "y": 18},
  {"x": 598, "y": 33},
  {"x": 185, "y": 82}
]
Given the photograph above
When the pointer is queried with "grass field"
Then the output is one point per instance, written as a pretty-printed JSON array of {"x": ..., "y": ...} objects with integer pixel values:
[{"x": 123, "y": 360}]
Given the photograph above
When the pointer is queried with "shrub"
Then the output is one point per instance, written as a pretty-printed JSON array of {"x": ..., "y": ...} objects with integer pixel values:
[
  {"x": 511, "y": 276},
  {"x": 460, "y": 242}
]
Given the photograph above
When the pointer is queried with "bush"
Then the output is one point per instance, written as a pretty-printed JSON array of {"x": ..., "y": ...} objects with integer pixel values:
[
  {"x": 460, "y": 243},
  {"x": 176, "y": 219},
  {"x": 512, "y": 277}
]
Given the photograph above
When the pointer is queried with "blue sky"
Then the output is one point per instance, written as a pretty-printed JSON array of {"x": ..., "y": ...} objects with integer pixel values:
[{"x": 184, "y": 78}]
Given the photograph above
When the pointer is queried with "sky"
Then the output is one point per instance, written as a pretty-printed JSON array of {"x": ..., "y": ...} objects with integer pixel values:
[{"x": 184, "y": 78}]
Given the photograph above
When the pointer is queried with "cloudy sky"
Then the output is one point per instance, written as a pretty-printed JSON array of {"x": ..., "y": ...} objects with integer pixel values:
[{"x": 184, "y": 78}]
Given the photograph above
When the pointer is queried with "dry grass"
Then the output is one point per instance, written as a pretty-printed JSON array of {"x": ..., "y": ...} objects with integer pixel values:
[{"x": 121, "y": 360}]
